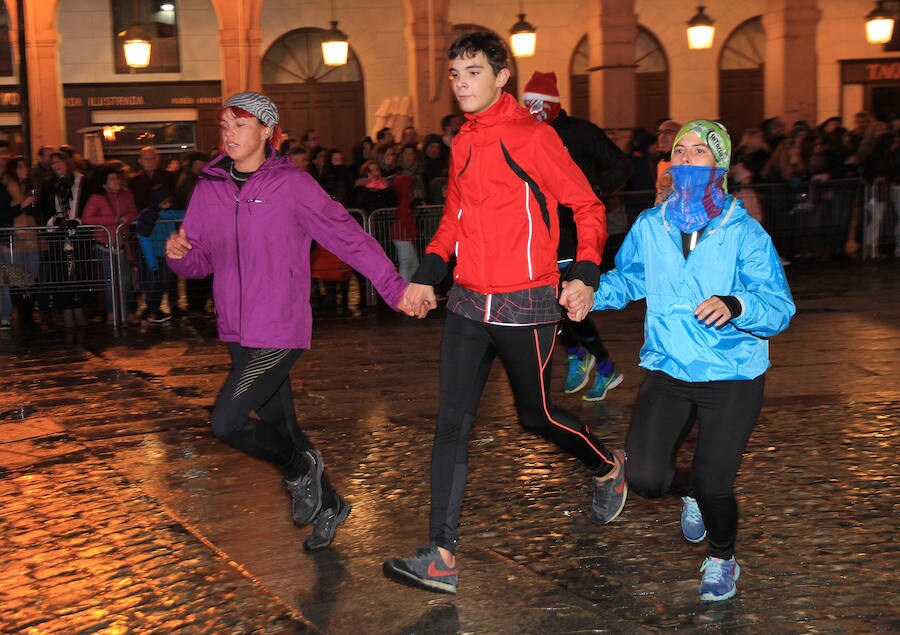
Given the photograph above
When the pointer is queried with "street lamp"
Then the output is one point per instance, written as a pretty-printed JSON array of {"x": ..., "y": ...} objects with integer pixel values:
[
  {"x": 523, "y": 39},
  {"x": 334, "y": 44},
  {"x": 136, "y": 42},
  {"x": 879, "y": 24},
  {"x": 137, "y": 46},
  {"x": 700, "y": 30}
]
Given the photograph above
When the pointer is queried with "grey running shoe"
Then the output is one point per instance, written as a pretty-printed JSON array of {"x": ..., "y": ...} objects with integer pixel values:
[
  {"x": 426, "y": 570},
  {"x": 306, "y": 491},
  {"x": 610, "y": 494},
  {"x": 326, "y": 524}
]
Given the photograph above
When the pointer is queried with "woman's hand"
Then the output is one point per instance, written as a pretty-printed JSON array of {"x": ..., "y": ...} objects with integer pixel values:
[
  {"x": 713, "y": 312},
  {"x": 178, "y": 245}
]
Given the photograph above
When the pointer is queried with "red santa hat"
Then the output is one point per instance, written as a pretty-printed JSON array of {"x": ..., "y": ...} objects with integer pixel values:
[{"x": 541, "y": 86}]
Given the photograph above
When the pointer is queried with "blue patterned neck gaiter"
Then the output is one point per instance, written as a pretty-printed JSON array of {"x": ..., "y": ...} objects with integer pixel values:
[{"x": 698, "y": 196}]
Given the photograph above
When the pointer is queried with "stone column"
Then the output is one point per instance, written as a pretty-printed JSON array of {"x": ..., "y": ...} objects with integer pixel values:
[
  {"x": 239, "y": 38},
  {"x": 46, "y": 112},
  {"x": 791, "y": 59},
  {"x": 612, "y": 30},
  {"x": 427, "y": 37}
]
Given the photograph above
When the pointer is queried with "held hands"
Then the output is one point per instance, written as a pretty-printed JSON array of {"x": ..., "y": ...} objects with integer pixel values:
[
  {"x": 577, "y": 298},
  {"x": 177, "y": 245},
  {"x": 713, "y": 312},
  {"x": 418, "y": 300}
]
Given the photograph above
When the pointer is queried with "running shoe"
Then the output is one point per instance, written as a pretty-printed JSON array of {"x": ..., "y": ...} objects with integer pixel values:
[
  {"x": 306, "y": 491},
  {"x": 158, "y": 317},
  {"x": 719, "y": 577},
  {"x": 325, "y": 524},
  {"x": 692, "y": 527},
  {"x": 602, "y": 385},
  {"x": 425, "y": 569},
  {"x": 579, "y": 372},
  {"x": 609, "y": 494}
]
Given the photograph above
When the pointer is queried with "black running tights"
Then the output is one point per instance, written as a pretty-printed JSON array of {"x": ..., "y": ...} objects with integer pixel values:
[
  {"x": 260, "y": 382},
  {"x": 725, "y": 412},
  {"x": 468, "y": 349}
]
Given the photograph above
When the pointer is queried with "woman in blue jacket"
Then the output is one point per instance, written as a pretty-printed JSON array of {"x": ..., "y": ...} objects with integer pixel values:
[{"x": 715, "y": 292}]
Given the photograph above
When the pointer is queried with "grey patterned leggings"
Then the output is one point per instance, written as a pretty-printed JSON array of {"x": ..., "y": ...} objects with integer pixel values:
[{"x": 260, "y": 381}]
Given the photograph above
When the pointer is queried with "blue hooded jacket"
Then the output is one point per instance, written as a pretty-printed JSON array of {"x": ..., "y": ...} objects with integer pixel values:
[{"x": 734, "y": 256}]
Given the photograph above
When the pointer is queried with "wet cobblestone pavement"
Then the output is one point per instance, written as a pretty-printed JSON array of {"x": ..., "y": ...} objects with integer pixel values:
[{"x": 120, "y": 513}]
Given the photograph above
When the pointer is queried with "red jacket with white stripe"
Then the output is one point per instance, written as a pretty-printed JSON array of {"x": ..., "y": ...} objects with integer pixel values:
[{"x": 507, "y": 174}]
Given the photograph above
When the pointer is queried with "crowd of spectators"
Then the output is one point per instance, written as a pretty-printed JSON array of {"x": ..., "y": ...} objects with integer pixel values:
[{"x": 62, "y": 190}]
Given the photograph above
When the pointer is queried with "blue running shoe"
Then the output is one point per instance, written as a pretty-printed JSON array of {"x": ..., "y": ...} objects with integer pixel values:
[
  {"x": 692, "y": 527},
  {"x": 579, "y": 372},
  {"x": 718, "y": 580},
  {"x": 603, "y": 385}
]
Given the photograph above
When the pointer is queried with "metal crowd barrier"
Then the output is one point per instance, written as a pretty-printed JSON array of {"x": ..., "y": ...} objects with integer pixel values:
[
  {"x": 816, "y": 219},
  {"x": 380, "y": 223},
  {"x": 68, "y": 264},
  {"x": 144, "y": 271}
]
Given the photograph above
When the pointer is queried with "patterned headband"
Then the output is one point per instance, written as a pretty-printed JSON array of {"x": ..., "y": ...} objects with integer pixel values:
[{"x": 257, "y": 105}]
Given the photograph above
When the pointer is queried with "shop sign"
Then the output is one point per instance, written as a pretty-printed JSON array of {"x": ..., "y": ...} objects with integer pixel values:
[
  {"x": 871, "y": 71},
  {"x": 146, "y": 95}
]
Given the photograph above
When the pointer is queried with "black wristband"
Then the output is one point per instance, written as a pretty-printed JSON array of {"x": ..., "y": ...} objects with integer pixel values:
[
  {"x": 431, "y": 270},
  {"x": 586, "y": 271},
  {"x": 733, "y": 304}
]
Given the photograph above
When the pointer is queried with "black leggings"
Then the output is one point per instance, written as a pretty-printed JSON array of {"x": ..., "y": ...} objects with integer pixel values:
[
  {"x": 260, "y": 381},
  {"x": 726, "y": 412},
  {"x": 467, "y": 352}
]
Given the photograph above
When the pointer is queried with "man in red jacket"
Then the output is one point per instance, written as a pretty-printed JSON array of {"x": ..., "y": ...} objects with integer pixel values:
[{"x": 507, "y": 174}]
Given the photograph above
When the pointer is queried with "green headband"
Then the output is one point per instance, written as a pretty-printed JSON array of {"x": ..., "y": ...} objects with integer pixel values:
[{"x": 714, "y": 135}]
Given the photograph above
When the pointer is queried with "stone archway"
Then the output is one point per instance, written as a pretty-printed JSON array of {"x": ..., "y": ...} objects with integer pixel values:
[
  {"x": 651, "y": 80},
  {"x": 309, "y": 94},
  {"x": 741, "y": 78}
]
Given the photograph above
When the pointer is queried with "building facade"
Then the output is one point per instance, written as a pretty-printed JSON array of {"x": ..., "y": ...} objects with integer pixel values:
[{"x": 622, "y": 63}]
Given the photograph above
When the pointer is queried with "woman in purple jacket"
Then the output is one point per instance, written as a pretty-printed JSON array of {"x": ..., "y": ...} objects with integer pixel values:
[{"x": 250, "y": 222}]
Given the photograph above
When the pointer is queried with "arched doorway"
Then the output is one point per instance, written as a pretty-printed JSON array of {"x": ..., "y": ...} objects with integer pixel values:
[
  {"x": 512, "y": 86},
  {"x": 741, "y": 66},
  {"x": 651, "y": 80},
  {"x": 311, "y": 95}
]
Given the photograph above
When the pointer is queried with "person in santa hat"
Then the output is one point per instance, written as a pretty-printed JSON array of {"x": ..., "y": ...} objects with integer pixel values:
[{"x": 607, "y": 169}]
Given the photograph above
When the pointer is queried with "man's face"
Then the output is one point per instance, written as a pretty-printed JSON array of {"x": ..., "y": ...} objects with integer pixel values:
[
  {"x": 313, "y": 140},
  {"x": 474, "y": 83},
  {"x": 410, "y": 136},
  {"x": 149, "y": 160},
  {"x": 59, "y": 167},
  {"x": 301, "y": 160},
  {"x": 665, "y": 136},
  {"x": 542, "y": 110}
]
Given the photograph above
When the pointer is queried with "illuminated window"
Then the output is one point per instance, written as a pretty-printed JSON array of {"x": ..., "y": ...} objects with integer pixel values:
[{"x": 6, "y": 63}]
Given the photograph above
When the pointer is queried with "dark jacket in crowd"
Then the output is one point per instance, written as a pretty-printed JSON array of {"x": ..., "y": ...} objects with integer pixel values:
[{"x": 604, "y": 164}]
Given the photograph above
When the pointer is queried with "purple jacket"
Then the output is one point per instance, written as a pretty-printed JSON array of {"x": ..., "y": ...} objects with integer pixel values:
[{"x": 256, "y": 241}]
